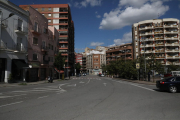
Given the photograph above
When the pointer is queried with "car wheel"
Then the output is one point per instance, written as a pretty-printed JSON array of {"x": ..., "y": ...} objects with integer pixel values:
[{"x": 172, "y": 89}]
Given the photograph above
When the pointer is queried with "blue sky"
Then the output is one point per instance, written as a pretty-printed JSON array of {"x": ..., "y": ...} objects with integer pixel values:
[{"x": 108, "y": 22}]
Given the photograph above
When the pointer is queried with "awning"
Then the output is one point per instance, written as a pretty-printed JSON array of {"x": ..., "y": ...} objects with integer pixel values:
[{"x": 20, "y": 64}]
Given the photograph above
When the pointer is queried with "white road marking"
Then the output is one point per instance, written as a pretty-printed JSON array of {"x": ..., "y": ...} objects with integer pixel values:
[
  {"x": 72, "y": 85},
  {"x": 88, "y": 81},
  {"x": 142, "y": 87},
  {"x": 46, "y": 88},
  {"x": 62, "y": 90},
  {"x": 42, "y": 97},
  {"x": 11, "y": 104},
  {"x": 104, "y": 84},
  {"x": 81, "y": 82},
  {"x": 12, "y": 96}
]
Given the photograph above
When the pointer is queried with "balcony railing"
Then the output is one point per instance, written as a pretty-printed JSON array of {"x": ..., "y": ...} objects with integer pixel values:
[
  {"x": 173, "y": 57},
  {"x": 159, "y": 50},
  {"x": 21, "y": 30},
  {"x": 63, "y": 46},
  {"x": 20, "y": 48},
  {"x": 171, "y": 32},
  {"x": 158, "y": 32},
  {"x": 36, "y": 30}
]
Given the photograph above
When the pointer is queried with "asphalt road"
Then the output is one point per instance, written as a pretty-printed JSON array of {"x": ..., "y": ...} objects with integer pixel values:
[{"x": 88, "y": 98}]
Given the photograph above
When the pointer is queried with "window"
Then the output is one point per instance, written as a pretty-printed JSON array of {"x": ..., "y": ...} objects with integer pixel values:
[
  {"x": 42, "y": 9},
  {"x": 49, "y": 14},
  {"x": 20, "y": 25},
  {"x": 135, "y": 28},
  {"x": 36, "y": 26},
  {"x": 35, "y": 57},
  {"x": 35, "y": 41},
  {"x": 49, "y": 8},
  {"x": 49, "y": 20},
  {"x": 45, "y": 30}
]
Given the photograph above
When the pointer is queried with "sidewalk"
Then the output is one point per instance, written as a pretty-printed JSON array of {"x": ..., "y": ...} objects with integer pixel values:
[{"x": 31, "y": 83}]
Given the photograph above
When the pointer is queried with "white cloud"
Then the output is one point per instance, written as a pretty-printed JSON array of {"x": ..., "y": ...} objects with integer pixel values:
[
  {"x": 127, "y": 38},
  {"x": 134, "y": 3},
  {"x": 117, "y": 18},
  {"x": 137, "y": 3},
  {"x": 98, "y": 16},
  {"x": 85, "y": 3},
  {"x": 96, "y": 43}
]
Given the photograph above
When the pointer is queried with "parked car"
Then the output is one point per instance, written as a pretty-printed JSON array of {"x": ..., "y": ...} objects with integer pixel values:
[
  {"x": 171, "y": 84},
  {"x": 167, "y": 75}
]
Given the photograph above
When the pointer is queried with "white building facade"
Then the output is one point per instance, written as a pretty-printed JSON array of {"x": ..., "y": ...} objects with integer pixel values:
[{"x": 13, "y": 42}]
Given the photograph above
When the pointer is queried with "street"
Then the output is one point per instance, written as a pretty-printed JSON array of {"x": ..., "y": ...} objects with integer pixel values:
[{"x": 88, "y": 98}]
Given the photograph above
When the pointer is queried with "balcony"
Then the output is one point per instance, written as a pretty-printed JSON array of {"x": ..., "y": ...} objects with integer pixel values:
[
  {"x": 159, "y": 51},
  {"x": 159, "y": 44},
  {"x": 3, "y": 45},
  {"x": 158, "y": 32},
  {"x": 171, "y": 38},
  {"x": 63, "y": 41},
  {"x": 21, "y": 30},
  {"x": 64, "y": 54},
  {"x": 172, "y": 63},
  {"x": 170, "y": 32},
  {"x": 146, "y": 33},
  {"x": 159, "y": 38},
  {"x": 45, "y": 62},
  {"x": 20, "y": 48},
  {"x": 158, "y": 26},
  {"x": 146, "y": 27},
  {"x": 4, "y": 24},
  {"x": 172, "y": 44},
  {"x": 172, "y": 57},
  {"x": 171, "y": 26},
  {"x": 44, "y": 48},
  {"x": 36, "y": 30},
  {"x": 63, "y": 47},
  {"x": 172, "y": 50},
  {"x": 63, "y": 16}
]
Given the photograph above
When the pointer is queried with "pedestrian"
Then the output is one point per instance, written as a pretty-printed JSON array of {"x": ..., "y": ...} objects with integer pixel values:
[{"x": 49, "y": 79}]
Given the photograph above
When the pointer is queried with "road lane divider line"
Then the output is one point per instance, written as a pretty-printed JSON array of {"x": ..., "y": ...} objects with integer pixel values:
[
  {"x": 72, "y": 85},
  {"x": 11, "y": 104},
  {"x": 142, "y": 87},
  {"x": 42, "y": 97},
  {"x": 81, "y": 82}
]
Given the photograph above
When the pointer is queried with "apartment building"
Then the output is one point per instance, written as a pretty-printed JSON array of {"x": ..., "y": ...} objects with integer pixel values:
[
  {"x": 84, "y": 69},
  {"x": 13, "y": 42},
  {"x": 59, "y": 16},
  {"x": 94, "y": 60},
  {"x": 121, "y": 52},
  {"x": 42, "y": 46},
  {"x": 159, "y": 37}
]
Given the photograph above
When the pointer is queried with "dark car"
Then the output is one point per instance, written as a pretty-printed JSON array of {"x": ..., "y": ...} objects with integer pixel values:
[{"x": 171, "y": 84}]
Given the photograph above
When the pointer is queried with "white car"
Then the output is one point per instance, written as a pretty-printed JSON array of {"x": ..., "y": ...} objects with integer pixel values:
[{"x": 102, "y": 75}]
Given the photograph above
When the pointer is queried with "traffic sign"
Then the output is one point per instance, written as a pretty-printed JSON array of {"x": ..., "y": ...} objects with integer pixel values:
[{"x": 137, "y": 65}]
